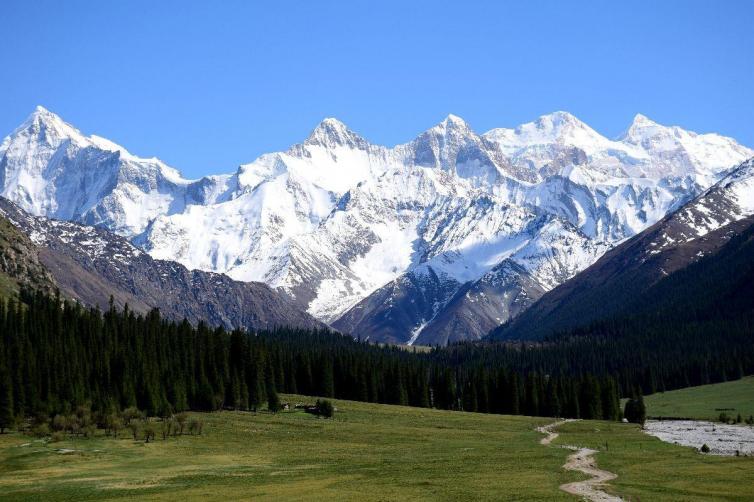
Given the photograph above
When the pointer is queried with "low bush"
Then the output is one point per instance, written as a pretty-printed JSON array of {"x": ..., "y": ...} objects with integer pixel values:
[{"x": 325, "y": 408}]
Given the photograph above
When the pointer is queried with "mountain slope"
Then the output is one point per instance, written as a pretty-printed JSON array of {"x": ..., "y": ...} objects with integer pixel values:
[
  {"x": 619, "y": 280},
  {"x": 336, "y": 219},
  {"x": 20, "y": 266},
  {"x": 90, "y": 264}
]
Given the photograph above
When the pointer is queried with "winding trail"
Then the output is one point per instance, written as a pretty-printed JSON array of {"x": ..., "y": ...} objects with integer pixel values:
[{"x": 582, "y": 461}]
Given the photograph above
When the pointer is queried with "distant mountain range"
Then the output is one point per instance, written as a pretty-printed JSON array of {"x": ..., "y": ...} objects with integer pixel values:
[
  {"x": 439, "y": 239},
  {"x": 91, "y": 265}
]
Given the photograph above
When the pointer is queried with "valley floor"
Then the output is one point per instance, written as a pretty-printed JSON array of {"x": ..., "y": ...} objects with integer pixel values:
[{"x": 367, "y": 452}]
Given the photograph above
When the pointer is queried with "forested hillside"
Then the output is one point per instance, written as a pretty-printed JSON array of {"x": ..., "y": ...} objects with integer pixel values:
[
  {"x": 56, "y": 354},
  {"x": 53, "y": 358}
]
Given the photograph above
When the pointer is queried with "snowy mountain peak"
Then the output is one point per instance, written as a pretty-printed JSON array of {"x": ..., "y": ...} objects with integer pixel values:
[
  {"x": 48, "y": 128},
  {"x": 642, "y": 121},
  {"x": 331, "y": 132},
  {"x": 455, "y": 121},
  {"x": 641, "y": 128},
  {"x": 558, "y": 128},
  {"x": 51, "y": 169},
  {"x": 562, "y": 127},
  {"x": 559, "y": 119},
  {"x": 41, "y": 113},
  {"x": 451, "y": 124}
]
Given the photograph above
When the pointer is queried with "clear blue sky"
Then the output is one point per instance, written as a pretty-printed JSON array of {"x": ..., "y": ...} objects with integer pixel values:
[{"x": 208, "y": 85}]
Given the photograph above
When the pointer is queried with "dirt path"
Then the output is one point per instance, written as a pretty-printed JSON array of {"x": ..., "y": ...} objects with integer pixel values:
[{"x": 582, "y": 461}]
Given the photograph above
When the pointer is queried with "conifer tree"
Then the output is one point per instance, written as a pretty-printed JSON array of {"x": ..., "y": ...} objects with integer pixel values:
[
  {"x": 273, "y": 401},
  {"x": 6, "y": 399}
]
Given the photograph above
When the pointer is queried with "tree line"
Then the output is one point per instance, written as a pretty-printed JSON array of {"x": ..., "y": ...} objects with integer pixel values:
[{"x": 56, "y": 355}]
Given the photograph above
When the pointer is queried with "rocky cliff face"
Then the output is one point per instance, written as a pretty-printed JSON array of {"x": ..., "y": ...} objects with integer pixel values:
[{"x": 20, "y": 266}]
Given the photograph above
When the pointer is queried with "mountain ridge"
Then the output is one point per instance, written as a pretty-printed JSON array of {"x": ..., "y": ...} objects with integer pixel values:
[
  {"x": 334, "y": 219},
  {"x": 623, "y": 274},
  {"x": 91, "y": 265}
]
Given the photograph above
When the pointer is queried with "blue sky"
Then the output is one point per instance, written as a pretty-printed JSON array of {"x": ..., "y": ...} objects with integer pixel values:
[{"x": 208, "y": 85}]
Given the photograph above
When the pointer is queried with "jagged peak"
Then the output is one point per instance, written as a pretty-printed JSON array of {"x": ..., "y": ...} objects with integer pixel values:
[
  {"x": 56, "y": 129},
  {"x": 46, "y": 127},
  {"x": 455, "y": 120},
  {"x": 332, "y": 132},
  {"x": 43, "y": 116},
  {"x": 332, "y": 122},
  {"x": 642, "y": 120},
  {"x": 641, "y": 126},
  {"x": 559, "y": 120},
  {"x": 452, "y": 124}
]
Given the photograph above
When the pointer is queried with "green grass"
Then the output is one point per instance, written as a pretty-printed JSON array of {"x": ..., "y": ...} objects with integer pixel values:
[
  {"x": 649, "y": 469},
  {"x": 704, "y": 402},
  {"x": 368, "y": 452}
]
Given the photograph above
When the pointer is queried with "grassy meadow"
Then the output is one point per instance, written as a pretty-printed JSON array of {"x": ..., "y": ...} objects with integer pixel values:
[
  {"x": 367, "y": 452},
  {"x": 705, "y": 401}
]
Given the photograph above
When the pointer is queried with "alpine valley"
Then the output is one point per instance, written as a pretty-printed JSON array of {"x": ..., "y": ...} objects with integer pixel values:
[{"x": 436, "y": 240}]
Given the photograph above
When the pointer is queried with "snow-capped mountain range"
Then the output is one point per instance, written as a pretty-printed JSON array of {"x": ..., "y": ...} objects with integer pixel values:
[
  {"x": 618, "y": 282},
  {"x": 438, "y": 239}
]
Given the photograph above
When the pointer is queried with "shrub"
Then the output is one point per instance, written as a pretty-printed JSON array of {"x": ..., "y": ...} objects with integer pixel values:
[
  {"x": 57, "y": 436},
  {"x": 113, "y": 424},
  {"x": 148, "y": 431},
  {"x": 704, "y": 448},
  {"x": 325, "y": 408},
  {"x": 59, "y": 423},
  {"x": 195, "y": 426},
  {"x": 724, "y": 418},
  {"x": 40, "y": 430},
  {"x": 84, "y": 415},
  {"x": 135, "y": 428},
  {"x": 635, "y": 411},
  {"x": 167, "y": 426},
  {"x": 131, "y": 414},
  {"x": 73, "y": 424},
  {"x": 181, "y": 418}
]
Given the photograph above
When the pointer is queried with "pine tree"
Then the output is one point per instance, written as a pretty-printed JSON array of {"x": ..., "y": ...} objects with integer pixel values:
[
  {"x": 273, "y": 401},
  {"x": 327, "y": 381},
  {"x": 6, "y": 399}
]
